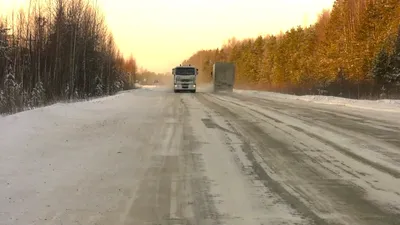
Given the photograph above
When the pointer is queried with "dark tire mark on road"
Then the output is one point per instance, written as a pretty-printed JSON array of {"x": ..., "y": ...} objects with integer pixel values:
[
  {"x": 153, "y": 202},
  {"x": 204, "y": 209}
]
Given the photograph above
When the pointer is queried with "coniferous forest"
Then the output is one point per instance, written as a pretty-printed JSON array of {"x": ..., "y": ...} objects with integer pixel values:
[
  {"x": 59, "y": 51},
  {"x": 352, "y": 51}
]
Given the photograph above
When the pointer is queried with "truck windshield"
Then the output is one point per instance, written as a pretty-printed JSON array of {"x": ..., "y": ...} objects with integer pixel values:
[{"x": 184, "y": 71}]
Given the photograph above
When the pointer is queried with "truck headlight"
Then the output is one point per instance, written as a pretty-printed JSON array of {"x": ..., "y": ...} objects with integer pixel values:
[{"x": 194, "y": 85}]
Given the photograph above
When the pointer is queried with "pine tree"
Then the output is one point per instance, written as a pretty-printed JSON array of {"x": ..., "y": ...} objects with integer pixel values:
[
  {"x": 394, "y": 62},
  {"x": 381, "y": 69},
  {"x": 11, "y": 91}
]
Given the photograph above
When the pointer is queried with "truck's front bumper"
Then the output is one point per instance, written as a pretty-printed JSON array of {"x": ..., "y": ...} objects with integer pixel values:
[{"x": 182, "y": 87}]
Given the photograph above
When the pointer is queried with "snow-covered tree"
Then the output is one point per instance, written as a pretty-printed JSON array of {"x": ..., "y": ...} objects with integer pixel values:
[
  {"x": 99, "y": 90},
  {"x": 76, "y": 94},
  {"x": 381, "y": 68},
  {"x": 118, "y": 86},
  {"x": 38, "y": 95},
  {"x": 11, "y": 90},
  {"x": 3, "y": 102},
  {"x": 27, "y": 104},
  {"x": 394, "y": 63},
  {"x": 66, "y": 91}
]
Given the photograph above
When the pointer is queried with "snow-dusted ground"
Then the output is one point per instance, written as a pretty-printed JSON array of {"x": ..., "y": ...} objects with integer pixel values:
[
  {"x": 150, "y": 156},
  {"x": 73, "y": 163},
  {"x": 387, "y": 105}
]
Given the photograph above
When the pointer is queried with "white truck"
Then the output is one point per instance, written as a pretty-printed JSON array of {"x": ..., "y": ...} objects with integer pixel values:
[{"x": 185, "y": 78}]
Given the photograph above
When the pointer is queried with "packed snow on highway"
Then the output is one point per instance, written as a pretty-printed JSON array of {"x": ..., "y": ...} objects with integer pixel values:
[{"x": 151, "y": 156}]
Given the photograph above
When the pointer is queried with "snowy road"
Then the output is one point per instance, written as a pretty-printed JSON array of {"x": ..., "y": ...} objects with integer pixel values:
[{"x": 154, "y": 157}]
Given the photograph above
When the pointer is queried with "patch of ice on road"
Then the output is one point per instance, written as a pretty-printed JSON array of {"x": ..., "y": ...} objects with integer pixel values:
[{"x": 386, "y": 105}]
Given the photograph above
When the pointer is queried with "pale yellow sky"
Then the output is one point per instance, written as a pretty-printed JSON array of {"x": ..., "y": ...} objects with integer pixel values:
[{"x": 160, "y": 33}]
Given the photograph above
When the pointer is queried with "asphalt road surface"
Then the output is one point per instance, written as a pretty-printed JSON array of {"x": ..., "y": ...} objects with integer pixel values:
[{"x": 160, "y": 158}]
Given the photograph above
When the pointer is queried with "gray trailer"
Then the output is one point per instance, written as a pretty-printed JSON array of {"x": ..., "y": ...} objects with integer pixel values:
[{"x": 223, "y": 76}]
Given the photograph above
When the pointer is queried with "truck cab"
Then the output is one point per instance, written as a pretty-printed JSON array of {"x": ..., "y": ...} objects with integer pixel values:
[{"x": 185, "y": 78}]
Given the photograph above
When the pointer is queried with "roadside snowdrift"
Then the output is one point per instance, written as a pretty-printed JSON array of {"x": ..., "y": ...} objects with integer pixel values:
[
  {"x": 59, "y": 163},
  {"x": 386, "y": 105}
]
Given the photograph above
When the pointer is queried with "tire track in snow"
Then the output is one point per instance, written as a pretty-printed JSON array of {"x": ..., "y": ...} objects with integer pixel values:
[
  {"x": 297, "y": 180},
  {"x": 382, "y": 148},
  {"x": 376, "y": 175},
  {"x": 372, "y": 127}
]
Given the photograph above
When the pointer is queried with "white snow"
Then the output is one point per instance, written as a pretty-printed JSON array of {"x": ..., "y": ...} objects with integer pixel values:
[
  {"x": 60, "y": 164},
  {"x": 386, "y": 105}
]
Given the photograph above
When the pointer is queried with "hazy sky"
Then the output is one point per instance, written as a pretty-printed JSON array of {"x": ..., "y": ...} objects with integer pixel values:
[{"x": 161, "y": 33}]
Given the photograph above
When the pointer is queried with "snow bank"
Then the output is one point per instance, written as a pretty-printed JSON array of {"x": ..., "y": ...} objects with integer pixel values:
[
  {"x": 59, "y": 163},
  {"x": 386, "y": 105}
]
